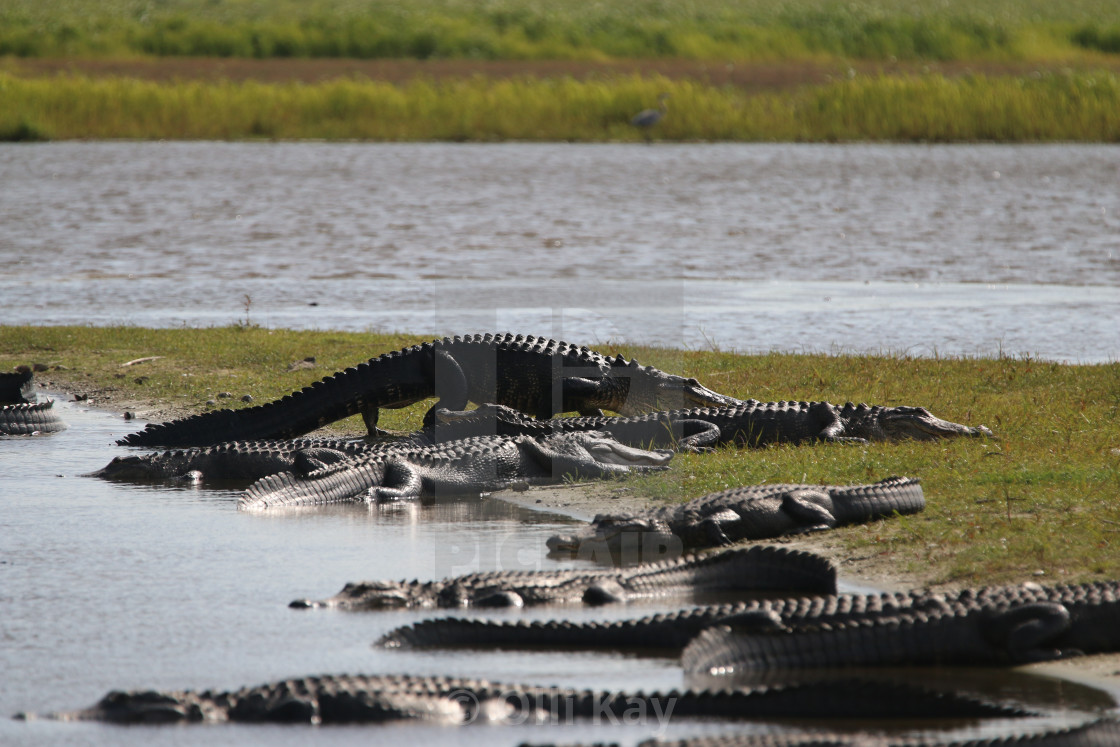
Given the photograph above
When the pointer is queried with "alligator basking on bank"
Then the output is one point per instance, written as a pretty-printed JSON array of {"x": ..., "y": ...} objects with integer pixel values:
[
  {"x": 746, "y": 423},
  {"x": 535, "y": 375},
  {"x": 993, "y": 627},
  {"x": 664, "y": 633},
  {"x": 355, "y": 699},
  {"x": 754, "y": 569},
  {"x": 1024, "y": 622},
  {"x": 467, "y": 467},
  {"x": 754, "y": 512},
  {"x": 20, "y": 413},
  {"x": 237, "y": 461}
]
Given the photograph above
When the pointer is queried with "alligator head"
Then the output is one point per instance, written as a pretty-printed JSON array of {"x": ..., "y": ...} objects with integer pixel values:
[
  {"x": 596, "y": 454},
  {"x": 901, "y": 423},
  {"x": 628, "y": 537},
  {"x": 652, "y": 389}
]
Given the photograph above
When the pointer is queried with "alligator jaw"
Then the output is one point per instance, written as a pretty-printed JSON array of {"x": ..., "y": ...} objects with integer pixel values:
[
  {"x": 919, "y": 424},
  {"x": 613, "y": 452}
]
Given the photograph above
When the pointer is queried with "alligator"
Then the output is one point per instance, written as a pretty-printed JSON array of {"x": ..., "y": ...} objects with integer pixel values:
[
  {"x": 753, "y": 569},
  {"x": 746, "y": 423},
  {"x": 663, "y": 633},
  {"x": 30, "y": 419},
  {"x": 669, "y": 633},
  {"x": 236, "y": 461},
  {"x": 535, "y": 375},
  {"x": 353, "y": 699},
  {"x": 468, "y": 466},
  {"x": 1094, "y": 731},
  {"x": 994, "y": 627},
  {"x": 753, "y": 512}
]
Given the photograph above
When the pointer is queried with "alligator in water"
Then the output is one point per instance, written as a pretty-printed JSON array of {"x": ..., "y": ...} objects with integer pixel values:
[
  {"x": 465, "y": 467},
  {"x": 17, "y": 387},
  {"x": 664, "y": 633},
  {"x": 669, "y": 633},
  {"x": 354, "y": 699},
  {"x": 991, "y": 627},
  {"x": 535, "y": 375},
  {"x": 754, "y": 569},
  {"x": 746, "y": 423},
  {"x": 1095, "y": 731},
  {"x": 754, "y": 512},
  {"x": 237, "y": 461}
]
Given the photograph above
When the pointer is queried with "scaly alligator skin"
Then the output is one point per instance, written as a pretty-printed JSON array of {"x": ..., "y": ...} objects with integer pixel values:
[
  {"x": 663, "y": 633},
  {"x": 755, "y": 512},
  {"x": 236, "y": 461},
  {"x": 758, "y": 568},
  {"x": 1004, "y": 626},
  {"x": 535, "y": 375},
  {"x": 747, "y": 423},
  {"x": 353, "y": 699},
  {"x": 469, "y": 466},
  {"x": 30, "y": 419},
  {"x": 1101, "y": 731},
  {"x": 1034, "y": 631}
]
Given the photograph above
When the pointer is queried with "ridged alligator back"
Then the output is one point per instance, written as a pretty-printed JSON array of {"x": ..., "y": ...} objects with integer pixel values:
[{"x": 30, "y": 419}]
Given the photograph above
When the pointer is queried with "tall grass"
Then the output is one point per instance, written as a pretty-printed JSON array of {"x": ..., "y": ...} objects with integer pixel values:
[
  {"x": 1075, "y": 107},
  {"x": 560, "y": 29},
  {"x": 1040, "y": 499}
]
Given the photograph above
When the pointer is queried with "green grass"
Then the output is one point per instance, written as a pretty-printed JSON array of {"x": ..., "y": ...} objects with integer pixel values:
[
  {"x": 1041, "y": 498},
  {"x": 1044, "y": 107},
  {"x": 561, "y": 29}
]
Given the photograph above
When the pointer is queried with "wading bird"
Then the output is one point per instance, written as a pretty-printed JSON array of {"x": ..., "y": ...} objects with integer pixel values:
[{"x": 647, "y": 118}]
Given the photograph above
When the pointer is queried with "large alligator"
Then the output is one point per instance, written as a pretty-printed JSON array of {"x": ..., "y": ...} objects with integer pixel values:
[
  {"x": 993, "y": 627},
  {"x": 746, "y": 423},
  {"x": 237, "y": 461},
  {"x": 663, "y": 633},
  {"x": 468, "y": 466},
  {"x": 1094, "y": 731},
  {"x": 354, "y": 699},
  {"x": 755, "y": 569},
  {"x": 753, "y": 512},
  {"x": 535, "y": 375},
  {"x": 669, "y": 633}
]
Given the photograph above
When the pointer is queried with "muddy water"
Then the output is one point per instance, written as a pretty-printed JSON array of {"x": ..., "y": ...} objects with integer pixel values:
[{"x": 948, "y": 250}]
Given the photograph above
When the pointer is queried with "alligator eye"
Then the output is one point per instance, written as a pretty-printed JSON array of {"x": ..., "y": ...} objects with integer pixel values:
[{"x": 694, "y": 382}]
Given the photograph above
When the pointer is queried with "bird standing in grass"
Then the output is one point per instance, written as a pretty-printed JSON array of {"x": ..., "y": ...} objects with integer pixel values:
[{"x": 647, "y": 118}]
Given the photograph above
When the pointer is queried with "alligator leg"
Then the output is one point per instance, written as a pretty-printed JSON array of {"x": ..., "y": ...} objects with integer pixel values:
[
  {"x": 401, "y": 482},
  {"x": 712, "y": 527},
  {"x": 809, "y": 509},
  {"x": 697, "y": 436},
  {"x": 1024, "y": 630},
  {"x": 833, "y": 429},
  {"x": 451, "y": 386}
]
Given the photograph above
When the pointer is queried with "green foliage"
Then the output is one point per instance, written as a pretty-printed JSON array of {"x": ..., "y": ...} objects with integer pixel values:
[
  {"x": 1072, "y": 107},
  {"x": 561, "y": 29},
  {"x": 1040, "y": 499}
]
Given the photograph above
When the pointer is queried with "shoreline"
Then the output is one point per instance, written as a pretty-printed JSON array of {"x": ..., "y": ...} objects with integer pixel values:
[{"x": 858, "y": 573}]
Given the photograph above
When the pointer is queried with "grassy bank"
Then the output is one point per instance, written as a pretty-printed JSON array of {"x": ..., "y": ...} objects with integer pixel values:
[
  {"x": 1040, "y": 503},
  {"x": 563, "y": 29},
  {"x": 1042, "y": 107}
]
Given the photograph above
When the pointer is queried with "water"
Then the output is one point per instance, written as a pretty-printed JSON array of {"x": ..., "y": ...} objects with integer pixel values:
[
  {"x": 959, "y": 250},
  {"x": 927, "y": 250}
]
